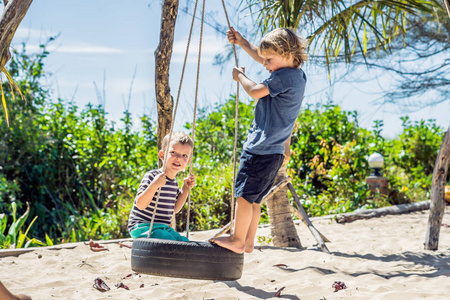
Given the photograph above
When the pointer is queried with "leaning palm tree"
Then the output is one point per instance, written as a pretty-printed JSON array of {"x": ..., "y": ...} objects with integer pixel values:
[{"x": 334, "y": 29}]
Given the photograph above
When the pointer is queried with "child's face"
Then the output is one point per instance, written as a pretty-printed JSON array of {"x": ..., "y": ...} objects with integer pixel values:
[
  {"x": 178, "y": 157},
  {"x": 273, "y": 61}
]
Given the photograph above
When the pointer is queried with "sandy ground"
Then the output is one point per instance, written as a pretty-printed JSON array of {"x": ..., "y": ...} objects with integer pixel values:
[{"x": 379, "y": 258}]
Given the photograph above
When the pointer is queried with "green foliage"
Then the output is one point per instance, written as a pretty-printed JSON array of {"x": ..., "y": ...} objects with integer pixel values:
[
  {"x": 264, "y": 240},
  {"x": 80, "y": 172},
  {"x": 15, "y": 238},
  {"x": 213, "y": 164},
  {"x": 329, "y": 161},
  {"x": 417, "y": 147},
  {"x": 215, "y": 131},
  {"x": 411, "y": 158},
  {"x": 328, "y": 165},
  {"x": 338, "y": 27}
]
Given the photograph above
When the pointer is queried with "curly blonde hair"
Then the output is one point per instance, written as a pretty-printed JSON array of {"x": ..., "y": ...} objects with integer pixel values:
[
  {"x": 284, "y": 42},
  {"x": 177, "y": 137}
]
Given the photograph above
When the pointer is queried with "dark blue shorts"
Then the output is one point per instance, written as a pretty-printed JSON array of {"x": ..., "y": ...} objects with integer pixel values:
[{"x": 256, "y": 175}]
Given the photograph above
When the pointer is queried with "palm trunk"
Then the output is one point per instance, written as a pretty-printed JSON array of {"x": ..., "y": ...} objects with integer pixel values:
[
  {"x": 282, "y": 228},
  {"x": 163, "y": 54}
]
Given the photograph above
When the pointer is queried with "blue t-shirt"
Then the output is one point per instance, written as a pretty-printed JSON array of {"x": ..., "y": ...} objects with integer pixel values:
[{"x": 275, "y": 114}]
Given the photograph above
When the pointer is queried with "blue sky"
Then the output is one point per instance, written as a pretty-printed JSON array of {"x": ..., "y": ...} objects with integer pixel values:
[{"x": 110, "y": 44}]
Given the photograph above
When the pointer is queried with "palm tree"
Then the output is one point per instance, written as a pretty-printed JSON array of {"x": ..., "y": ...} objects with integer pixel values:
[{"x": 333, "y": 28}]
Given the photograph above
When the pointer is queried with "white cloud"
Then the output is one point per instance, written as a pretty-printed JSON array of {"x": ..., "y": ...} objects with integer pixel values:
[{"x": 88, "y": 49}]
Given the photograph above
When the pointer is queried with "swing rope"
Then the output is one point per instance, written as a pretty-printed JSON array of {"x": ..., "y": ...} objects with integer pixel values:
[
  {"x": 236, "y": 117},
  {"x": 175, "y": 113},
  {"x": 195, "y": 116},
  {"x": 195, "y": 113}
]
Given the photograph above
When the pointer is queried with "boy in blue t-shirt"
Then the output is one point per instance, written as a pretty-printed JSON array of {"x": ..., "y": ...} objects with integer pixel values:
[{"x": 280, "y": 96}]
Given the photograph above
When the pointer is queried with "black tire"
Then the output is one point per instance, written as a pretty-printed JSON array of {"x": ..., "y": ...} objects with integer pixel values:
[{"x": 194, "y": 260}]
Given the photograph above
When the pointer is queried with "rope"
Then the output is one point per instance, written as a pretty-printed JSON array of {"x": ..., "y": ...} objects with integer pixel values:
[
  {"x": 235, "y": 124},
  {"x": 195, "y": 114},
  {"x": 174, "y": 114}
]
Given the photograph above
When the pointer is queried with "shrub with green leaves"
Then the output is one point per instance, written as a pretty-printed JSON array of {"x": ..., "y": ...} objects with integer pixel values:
[
  {"x": 213, "y": 165},
  {"x": 14, "y": 237},
  {"x": 80, "y": 171},
  {"x": 411, "y": 157}
]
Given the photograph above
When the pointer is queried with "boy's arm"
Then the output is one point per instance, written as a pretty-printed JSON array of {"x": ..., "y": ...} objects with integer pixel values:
[
  {"x": 145, "y": 198},
  {"x": 236, "y": 38},
  {"x": 188, "y": 183},
  {"x": 254, "y": 90}
]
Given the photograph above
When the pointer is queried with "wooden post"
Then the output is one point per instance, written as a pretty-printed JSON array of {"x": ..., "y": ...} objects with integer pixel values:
[
  {"x": 320, "y": 238},
  {"x": 437, "y": 206}
]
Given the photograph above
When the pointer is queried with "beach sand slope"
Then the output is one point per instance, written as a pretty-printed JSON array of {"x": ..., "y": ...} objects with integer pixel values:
[{"x": 378, "y": 258}]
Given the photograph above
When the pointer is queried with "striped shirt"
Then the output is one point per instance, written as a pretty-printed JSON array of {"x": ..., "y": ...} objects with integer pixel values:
[{"x": 166, "y": 204}]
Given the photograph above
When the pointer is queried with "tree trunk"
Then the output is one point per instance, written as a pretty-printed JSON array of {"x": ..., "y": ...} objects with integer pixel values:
[
  {"x": 10, "y": 19},
  {"x": 447, "y": 6},
  {"x": 437, "y": 206},
  {"x": 163, "y": 54},
  {"x": 282, "y": 227}
]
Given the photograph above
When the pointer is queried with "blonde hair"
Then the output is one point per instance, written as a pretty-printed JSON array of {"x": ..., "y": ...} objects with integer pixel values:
[
  {"x": 177, "y": 137},
  {"x": 284, "y": 42}
]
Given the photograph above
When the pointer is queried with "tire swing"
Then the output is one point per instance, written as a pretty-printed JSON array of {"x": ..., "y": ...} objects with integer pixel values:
[{"x": 194, "y": 259}]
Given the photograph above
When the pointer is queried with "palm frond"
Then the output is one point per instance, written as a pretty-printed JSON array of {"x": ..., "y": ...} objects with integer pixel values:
[
  {"x": 13, "y": 87},
  {"x": 336, "y": 26},
  {"x": 4, "y": 102}
]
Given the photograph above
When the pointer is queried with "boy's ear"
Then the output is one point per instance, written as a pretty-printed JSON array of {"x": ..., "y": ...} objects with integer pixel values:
[{"x": 161, "y": 155}]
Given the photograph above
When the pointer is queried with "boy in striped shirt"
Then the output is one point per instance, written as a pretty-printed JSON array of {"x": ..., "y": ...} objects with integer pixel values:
[{"x": 171, "y": 198}]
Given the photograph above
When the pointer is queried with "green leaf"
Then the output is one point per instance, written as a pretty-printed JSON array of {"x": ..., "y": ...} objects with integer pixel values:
[
  {"x": 20, "y": 240},
  {"x": 3, "y": 221},
  {"x": 48, "y": 240},
  {"x": 17, "y": 224}
]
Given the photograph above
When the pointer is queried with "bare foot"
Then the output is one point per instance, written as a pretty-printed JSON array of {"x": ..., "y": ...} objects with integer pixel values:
[{"x": 229, "y": 243}]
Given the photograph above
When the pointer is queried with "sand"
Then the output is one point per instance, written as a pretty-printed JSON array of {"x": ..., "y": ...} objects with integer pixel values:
[{"x": 378, "y": 258}]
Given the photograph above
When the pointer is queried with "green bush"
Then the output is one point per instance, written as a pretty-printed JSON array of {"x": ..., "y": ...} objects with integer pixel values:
[
  {"x": 80, "y": 172},
  {"x": 213, "y": 164},
  {"x": 411, "y": 157},
  {"x": 78, "y": 169},
  {"x": 14, "y": 236}
]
